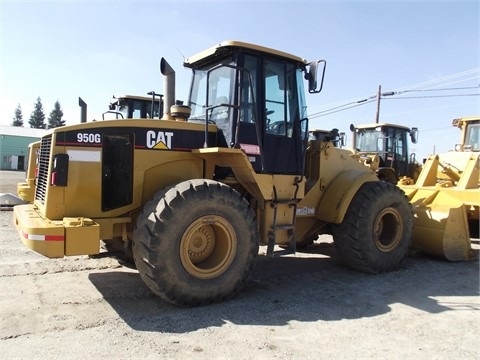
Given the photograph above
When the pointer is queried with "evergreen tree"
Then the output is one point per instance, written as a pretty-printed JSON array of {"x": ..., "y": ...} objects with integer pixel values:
[
  {"x": 55, "y": 118},
  {"x": 18, "y": 118},
  {"x": 37, "y": 118}
]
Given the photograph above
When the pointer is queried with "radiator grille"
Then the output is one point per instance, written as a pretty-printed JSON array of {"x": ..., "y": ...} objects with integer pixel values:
[{"x": 43, "y": 165}]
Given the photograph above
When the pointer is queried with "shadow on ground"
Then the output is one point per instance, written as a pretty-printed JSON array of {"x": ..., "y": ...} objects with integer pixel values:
[{"x": 303, "y": 289}]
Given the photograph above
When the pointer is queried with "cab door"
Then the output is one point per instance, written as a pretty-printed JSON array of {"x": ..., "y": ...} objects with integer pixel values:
[
  {"x": 272, "y": 123},
  {"x": 259, "y": 106},
  {"x": 285, "y": 121}
]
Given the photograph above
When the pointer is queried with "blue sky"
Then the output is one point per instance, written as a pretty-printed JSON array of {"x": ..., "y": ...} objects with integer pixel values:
[{"x": 95, "y": 49}]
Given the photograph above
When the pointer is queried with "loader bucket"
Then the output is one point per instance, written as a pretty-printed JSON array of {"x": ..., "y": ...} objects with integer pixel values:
[
  {"x": 444, "y": 198},
  {"x": 440, "y": 225}
]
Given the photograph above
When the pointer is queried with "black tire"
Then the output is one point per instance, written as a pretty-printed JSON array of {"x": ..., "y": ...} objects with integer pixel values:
[
  {"x": 474, "y": 228},
  {"x": 196, "y": 243},
  {"x": 306, "y": 242},
  {"x": 376, "y": 232},
  {"x": 121, "y": 250}
]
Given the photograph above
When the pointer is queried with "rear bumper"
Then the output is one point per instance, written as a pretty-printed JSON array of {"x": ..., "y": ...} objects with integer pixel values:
[{"x": 56, "y": 238}]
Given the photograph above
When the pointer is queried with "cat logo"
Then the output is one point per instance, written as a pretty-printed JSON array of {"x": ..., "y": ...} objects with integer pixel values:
[{"x": 159, "y": 140}]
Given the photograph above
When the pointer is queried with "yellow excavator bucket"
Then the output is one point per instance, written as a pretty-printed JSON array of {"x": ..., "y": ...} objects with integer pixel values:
[{"x": 445, "y": 198}]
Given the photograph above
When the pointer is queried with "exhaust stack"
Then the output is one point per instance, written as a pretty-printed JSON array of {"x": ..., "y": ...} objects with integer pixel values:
[
  {"x": 83, "y": 110},
  {"x": 169, "y": 88}
]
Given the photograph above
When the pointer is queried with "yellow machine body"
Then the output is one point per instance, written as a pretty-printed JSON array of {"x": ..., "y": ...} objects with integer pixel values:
[
  {"x": 446, "y": 202},
  {"x": 334, "y": 178},
  {"x": 192, "y": 195}
]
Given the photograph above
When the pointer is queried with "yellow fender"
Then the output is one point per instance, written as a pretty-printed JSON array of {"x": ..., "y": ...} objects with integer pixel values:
[{"x": 340, "y": 192}]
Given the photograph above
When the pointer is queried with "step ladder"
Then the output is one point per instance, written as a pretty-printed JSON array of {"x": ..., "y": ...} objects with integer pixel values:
[{"x": 289, "y": 228}]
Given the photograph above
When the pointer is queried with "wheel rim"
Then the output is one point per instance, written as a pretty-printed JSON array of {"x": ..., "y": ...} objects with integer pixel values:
[
  {"x": 387, "y": 230},
  {"x": 208, "y": 247}
]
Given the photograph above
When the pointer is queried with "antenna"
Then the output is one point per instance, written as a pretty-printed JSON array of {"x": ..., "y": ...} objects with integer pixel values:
[{"x": 183, "y": 56}]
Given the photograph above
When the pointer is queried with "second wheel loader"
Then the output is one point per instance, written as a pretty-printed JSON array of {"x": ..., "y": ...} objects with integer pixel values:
[
  {"x": 384, "y": 148},
  {"x": 446, "y": 197}
]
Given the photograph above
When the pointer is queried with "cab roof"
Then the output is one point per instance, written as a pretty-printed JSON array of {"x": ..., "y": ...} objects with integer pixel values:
[
  {"x": 374, "y": 125},
  {"x": 216, "y": 50},
  {"x": 460, "y": 121},
  {"x": 136, "y": 97}
]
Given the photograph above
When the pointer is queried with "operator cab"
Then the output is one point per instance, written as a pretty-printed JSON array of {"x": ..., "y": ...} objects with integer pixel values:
[
  {"x": 255, "y": 96},
  {"x": 390, "y": 142},
  {"x": 472, "y": 136},
  {"x": 135, "y": 107}
]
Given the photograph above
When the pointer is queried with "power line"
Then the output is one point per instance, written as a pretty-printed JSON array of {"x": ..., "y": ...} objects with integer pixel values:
[
  {"x": 387, "y": 95},
  {"x": 338, "y": 109},
  {"x": 442, "y": 79},
  {"x": 352, "y": 105},
  {"x": 429, "y": 96},
  {"x": 427, "y": 109},
  {"x": 411, "y": 88},
  {"x": 457, "y": 88}
]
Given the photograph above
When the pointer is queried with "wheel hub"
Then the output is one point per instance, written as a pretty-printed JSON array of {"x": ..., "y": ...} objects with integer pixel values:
[
  {"x": 387, "y": 229},
  {"x": 202, "y": 244},
  {"x": 208, "y": 247}
]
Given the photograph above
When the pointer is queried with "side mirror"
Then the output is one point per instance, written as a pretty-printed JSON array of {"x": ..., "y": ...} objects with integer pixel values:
[
  {"x": 317, "y": 68},
  {"x": 414, "y": 135}
]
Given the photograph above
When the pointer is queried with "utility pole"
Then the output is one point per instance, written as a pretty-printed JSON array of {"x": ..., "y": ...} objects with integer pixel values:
[{"x": 379, "y": 94}]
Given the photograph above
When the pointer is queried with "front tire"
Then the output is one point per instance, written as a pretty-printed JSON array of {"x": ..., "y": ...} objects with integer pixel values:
[
  {"x": 195, "y": 243},
  {"x": 376, "y": 232}
]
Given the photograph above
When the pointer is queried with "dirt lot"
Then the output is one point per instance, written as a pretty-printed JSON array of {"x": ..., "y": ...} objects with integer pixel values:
[{"x": 306, "y": 306}]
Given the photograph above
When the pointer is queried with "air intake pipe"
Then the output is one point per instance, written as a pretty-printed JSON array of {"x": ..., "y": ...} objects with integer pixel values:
[
  {"x": 83, "y": 110},
  {"x": 168, "y": 88}
]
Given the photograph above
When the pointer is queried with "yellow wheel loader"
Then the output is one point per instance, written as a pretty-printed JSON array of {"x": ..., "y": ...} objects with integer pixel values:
[
  {"x": 384, "y": 148},
  {"x": 470, "y": 133},
  {"x": 446, "y": 197},
  {"x": 135, "y": 107},
  {"x": 195, "y": 193}
]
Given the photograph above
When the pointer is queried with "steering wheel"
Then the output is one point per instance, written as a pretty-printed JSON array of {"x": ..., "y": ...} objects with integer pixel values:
[{"x": 277, "y": 127}]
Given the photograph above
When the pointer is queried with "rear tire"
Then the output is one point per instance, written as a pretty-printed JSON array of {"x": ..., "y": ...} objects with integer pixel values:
[
  {"x": 195, "y": 243},
  {"x": 306, "y": 242},
  {"x": 376, "y": 232},
  {"x": 121, "y": 250}
]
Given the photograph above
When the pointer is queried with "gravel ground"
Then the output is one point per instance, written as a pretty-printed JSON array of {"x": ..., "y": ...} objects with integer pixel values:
[{"x": 306, "y": 306}]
